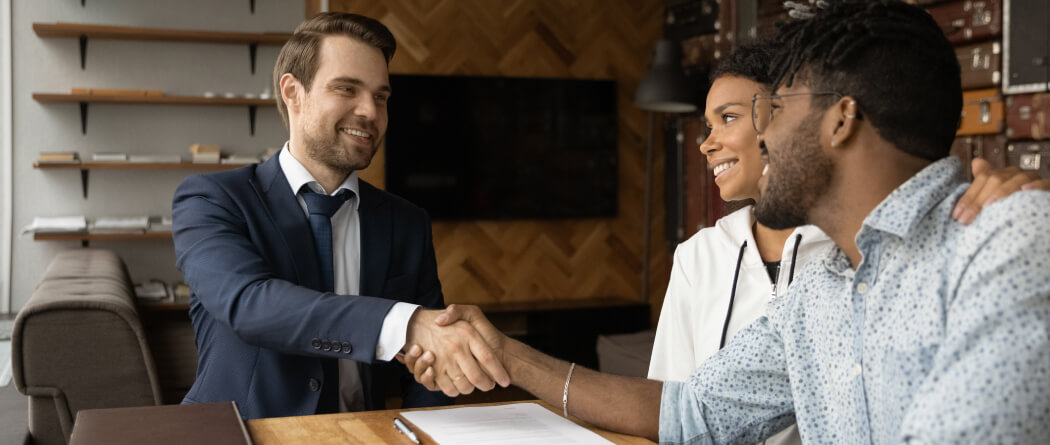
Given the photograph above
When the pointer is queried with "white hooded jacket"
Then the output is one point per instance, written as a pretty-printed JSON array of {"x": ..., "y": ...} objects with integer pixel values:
[{"x": 702, "y": 280}]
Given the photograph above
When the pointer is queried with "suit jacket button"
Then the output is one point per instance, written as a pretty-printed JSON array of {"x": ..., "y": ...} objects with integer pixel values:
[
  {"x": 316, "y": 343},
  {"x": 347, "y": 348},
  {"x": 326, "y": 345},
  {"x": 314, "y": 385}
]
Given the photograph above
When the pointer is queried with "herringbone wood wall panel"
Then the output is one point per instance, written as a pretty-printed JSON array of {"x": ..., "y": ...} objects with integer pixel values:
[{"x": 484, "y": 262}]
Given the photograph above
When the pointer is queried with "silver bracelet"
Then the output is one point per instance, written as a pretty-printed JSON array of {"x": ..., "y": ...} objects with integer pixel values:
[{"x": 565, "y": 392}]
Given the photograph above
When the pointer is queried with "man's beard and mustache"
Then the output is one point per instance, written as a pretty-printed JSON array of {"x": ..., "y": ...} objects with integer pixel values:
[
  {"x": 802, "y": 174},
  {"x": 327, "y": 148}
]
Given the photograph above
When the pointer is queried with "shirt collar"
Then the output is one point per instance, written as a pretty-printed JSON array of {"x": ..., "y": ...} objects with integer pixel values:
[
  {"x": 901, "y": 211},
  {"x": 904, "y": 208},
  {"x": 297, "y": 176}
]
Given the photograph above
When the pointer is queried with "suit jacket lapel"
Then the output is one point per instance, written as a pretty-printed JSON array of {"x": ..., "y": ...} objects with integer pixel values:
[
  {"x": 272, "y": 187},
  {"x": 376, "y": 238}
]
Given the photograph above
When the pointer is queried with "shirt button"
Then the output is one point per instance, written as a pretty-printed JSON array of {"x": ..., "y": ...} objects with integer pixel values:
[
  {"x": 316, "y": 343},
  {"x": 857, "y": 370},
  {"x": 314, "y": 385},
  {"x": 862, "y": 287}
]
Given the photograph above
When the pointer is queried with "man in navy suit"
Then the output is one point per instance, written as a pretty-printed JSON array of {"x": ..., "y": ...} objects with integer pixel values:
[{"x": 296, "y": 313}]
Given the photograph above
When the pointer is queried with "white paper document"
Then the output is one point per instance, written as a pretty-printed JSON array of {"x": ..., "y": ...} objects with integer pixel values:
[{"x": 514, "y": 424}]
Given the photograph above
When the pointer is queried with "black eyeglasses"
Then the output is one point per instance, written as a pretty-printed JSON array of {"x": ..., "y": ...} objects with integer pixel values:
[{"x": 763, "y": 107}]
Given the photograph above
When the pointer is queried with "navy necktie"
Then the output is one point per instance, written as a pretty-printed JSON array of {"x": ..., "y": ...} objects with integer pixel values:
[{"x": 321, "y": 208}]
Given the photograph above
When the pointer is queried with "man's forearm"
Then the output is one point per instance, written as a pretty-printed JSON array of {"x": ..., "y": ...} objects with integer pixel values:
[{"x": 623, "y": 404}]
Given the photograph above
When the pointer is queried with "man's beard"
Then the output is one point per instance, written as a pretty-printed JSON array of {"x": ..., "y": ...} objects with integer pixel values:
[
  {"x": 801, "y": 177},
  {"x": 326, "y": 148}
]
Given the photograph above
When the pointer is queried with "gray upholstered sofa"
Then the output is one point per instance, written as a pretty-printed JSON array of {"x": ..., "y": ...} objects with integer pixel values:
[{"x": 79, "y": 343}]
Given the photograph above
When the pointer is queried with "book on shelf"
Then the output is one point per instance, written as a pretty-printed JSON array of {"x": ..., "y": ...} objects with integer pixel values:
[
  {"x": 205, "y": 148},
  {"x": 206, "y": 158},
  {"x": 160, "y": 158},
  {"x": 56, "y": 224},
  {"x": 113, "y": 224},
  {"x": 240, "y": 159},
  {"x": 59, "y": 157},
  {"x": 109, "y": 157}
]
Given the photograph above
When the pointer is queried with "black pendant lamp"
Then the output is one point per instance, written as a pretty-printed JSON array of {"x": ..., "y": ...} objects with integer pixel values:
[{"x": 665, "y": 88}]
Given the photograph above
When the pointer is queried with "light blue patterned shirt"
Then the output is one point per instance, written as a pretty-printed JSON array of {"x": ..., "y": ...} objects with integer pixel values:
[{"x": 941, "y": 335}]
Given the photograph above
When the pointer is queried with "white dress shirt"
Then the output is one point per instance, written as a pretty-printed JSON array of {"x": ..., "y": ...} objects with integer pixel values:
[{"x": 346, "y": 265}]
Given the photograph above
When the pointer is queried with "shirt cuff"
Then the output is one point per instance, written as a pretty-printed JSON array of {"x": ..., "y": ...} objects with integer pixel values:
[{"x": 395, "y": 328}]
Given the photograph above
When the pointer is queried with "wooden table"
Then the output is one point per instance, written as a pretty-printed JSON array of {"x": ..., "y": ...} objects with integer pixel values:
[{"x": 370, "y": 427}]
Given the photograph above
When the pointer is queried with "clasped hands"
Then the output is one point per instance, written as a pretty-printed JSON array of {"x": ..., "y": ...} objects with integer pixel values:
[{"x": 455, "y": 351}]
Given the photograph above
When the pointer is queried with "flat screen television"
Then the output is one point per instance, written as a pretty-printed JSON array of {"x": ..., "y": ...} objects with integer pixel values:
[{"x": 503, "y": 148}]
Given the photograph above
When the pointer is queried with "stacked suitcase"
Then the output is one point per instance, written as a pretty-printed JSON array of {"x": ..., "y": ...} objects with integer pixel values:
[{"x": 1002, "y": 46}]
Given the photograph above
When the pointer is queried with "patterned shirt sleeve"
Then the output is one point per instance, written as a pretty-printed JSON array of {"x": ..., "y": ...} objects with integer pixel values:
[
  {"x": 740, "y": 395},
  {"x": 990, "y": 380}
]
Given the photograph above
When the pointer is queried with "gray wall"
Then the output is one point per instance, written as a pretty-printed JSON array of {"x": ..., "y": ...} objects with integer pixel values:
[{"x": 53, "y": 66}]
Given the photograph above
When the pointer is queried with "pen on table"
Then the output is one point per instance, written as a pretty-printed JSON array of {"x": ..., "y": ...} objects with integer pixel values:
[{"x": 402, "y": 428}]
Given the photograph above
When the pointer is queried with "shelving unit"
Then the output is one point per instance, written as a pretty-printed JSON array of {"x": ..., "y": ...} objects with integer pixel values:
[
  {"x": 85, "y": 31},
  {"x": 86, "y": 238},
  {"x": 85, "y": 99},
  {"x": 85, "y": 167}
]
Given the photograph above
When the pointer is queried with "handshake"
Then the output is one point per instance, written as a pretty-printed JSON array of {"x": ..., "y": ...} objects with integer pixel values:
[{"x": 455, "y": 351}]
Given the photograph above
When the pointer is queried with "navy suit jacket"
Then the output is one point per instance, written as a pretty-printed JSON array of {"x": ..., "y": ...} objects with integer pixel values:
[{"x": 245, "y": 248}]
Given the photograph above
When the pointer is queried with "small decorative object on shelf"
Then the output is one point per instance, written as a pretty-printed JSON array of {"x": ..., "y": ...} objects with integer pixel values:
[
  {"x": 56, "y": 224},
  {"x": 112, "y": 224},
  {"x": 156, "y": 158},
  {"x": 109, "y": 157}
]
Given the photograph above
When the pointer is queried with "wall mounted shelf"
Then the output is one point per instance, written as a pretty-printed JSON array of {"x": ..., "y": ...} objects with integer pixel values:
[
  {"x": 86, "y": 238},
  {"x": 85, "y": 31},
  {"x": 85, "y": 99},
  {"x": 85, "y": 167}
]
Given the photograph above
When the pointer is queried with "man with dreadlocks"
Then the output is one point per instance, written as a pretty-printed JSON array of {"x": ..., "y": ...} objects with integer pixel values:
[{"x": 914, "y": 328}]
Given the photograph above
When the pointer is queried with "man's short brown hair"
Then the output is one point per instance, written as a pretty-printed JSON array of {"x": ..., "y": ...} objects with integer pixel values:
[{"x": 299, "y": 56}]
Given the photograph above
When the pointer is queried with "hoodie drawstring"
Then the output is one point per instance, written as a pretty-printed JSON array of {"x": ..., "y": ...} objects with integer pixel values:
[
  {"x": 732, "y": 296},
  {"x": 736, "y": 276}
]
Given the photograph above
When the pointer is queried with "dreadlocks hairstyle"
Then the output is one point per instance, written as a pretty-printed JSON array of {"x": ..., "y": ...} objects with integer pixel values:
[{"x": 889, "y": 56}]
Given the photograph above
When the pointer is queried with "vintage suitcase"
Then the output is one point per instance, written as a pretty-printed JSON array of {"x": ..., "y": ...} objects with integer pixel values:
[
  {"x": 1026, "y": 116},
  {"x": 704, "y": 50},
  {"x": 982, "y": 113},
  {"x": 990, "y": 147},
  {"x": 1034, "y": 156},
  {"x": 1026, "y": 46},
  {"x": 980, "y": 65},
  {"x": 969, "y": 20},
  {"x": 688, "y": 18}
]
